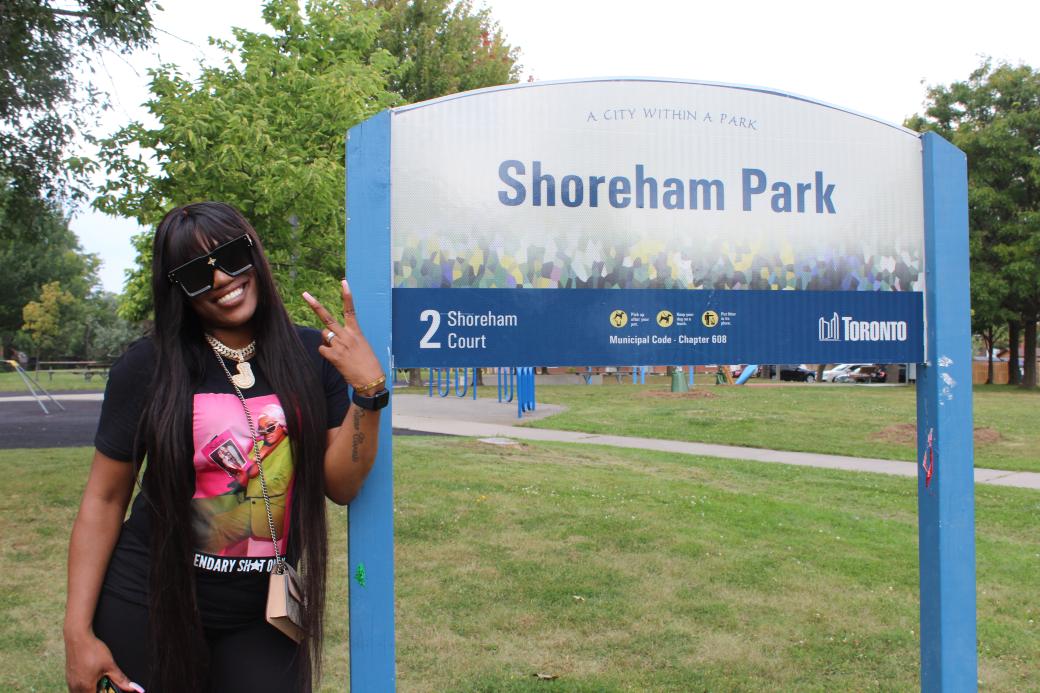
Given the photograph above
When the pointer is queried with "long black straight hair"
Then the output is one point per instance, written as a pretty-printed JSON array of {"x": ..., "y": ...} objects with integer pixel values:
[{"x": 182, "y": 355}]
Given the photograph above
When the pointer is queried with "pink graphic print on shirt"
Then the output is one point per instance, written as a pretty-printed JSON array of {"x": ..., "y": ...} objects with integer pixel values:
[{"x": 230, "y": 518}]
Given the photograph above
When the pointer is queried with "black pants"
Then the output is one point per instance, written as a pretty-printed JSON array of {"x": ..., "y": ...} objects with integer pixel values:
[{"x": 254, "y": 659}]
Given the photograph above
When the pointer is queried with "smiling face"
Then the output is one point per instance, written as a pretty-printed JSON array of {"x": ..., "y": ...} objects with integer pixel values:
[
  {"x": 201, "y": 245},
  {"x": 230, "y": 304}
]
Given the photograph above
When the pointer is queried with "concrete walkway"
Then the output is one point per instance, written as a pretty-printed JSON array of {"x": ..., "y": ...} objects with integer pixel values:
[
  {"x": 60, "y": 396},
  {"x": 486, "y": 418}
]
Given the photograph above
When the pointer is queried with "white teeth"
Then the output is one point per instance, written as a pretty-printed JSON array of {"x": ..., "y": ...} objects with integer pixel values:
[{"x": 231, "y": 296}]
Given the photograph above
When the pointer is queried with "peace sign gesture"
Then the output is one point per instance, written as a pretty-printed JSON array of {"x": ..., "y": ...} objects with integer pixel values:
[{"x": 345, "y": 347}]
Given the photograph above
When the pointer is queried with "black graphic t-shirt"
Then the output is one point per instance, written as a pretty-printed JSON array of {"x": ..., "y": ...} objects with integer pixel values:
[{"x": 234, "y": 551}]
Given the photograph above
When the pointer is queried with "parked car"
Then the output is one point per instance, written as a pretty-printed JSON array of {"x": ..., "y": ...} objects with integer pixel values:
[
  {"x": 797, "y": 373},
  {"x": 863, "y": 374},
  {"x": 872, "y": 373},
  {"x": 831, "y": 374}
]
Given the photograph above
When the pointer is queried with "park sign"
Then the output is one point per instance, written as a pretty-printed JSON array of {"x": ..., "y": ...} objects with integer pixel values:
[
  {"x": 640, "y": 222},
  {"x": 649, "y": 222}
]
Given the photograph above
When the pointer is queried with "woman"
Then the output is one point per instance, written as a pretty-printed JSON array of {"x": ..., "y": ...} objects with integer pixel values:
[{"x": 238, "y": 469}]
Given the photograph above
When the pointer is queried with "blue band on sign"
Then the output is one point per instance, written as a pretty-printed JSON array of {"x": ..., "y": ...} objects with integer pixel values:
[{"x": 492, "y": 327}]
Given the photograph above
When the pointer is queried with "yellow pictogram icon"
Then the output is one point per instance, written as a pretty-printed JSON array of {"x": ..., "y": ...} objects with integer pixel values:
[
  {"x": 710, "y": 318},
  {"x": 665, "y": 318},
  {"x": 618, "y": 318}
]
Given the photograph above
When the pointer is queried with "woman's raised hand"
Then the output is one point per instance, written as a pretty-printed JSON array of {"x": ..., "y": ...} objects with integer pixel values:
[{"x": 345, "y": 347}]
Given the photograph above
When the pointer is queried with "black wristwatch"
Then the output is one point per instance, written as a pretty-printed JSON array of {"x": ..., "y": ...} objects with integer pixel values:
[{"x": 373, "y": 403}]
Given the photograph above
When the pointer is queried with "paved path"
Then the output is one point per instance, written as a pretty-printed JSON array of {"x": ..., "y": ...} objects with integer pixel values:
[
  {"x": 489, "y": 419},
  {"x": 62, "y": 397},
  {"x": 23, "y": 425},
  {"x": 452, "y": 408}
]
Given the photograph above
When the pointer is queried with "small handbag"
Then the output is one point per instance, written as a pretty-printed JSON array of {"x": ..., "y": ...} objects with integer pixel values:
[{"x": 285, "y": 601}]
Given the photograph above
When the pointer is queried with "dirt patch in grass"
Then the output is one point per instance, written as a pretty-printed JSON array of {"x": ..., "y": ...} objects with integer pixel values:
[
  {"x": 906, "y": 434},
  {"x": 987, "y": 435},
  {"x": 665, "y": 394}
]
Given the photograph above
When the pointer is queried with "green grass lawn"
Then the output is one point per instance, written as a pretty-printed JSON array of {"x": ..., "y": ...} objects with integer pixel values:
[
  {"x": 827, "y": 418},
  {"x": 11, "y": 383},
  {"x": 615, "y": 570}
]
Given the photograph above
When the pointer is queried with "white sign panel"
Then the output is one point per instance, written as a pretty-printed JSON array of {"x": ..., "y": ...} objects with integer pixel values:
[{"x": 652, "y": 184}]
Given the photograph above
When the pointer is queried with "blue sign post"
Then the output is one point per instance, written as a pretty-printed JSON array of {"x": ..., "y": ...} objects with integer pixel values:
[
  {"x": 371, "y": 530},
  {"x": 579, "y": 223},
  {"x": 945, "y": 435}
]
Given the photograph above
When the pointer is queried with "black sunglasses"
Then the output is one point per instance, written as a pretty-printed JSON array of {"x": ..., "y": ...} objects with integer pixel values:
[{"x": 232, "y": 258}]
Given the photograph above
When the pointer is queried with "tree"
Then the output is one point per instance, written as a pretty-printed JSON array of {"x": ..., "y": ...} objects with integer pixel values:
[
  {"x": 989, "y": 290},
  {"x": 44, "y": 104},
  {"x": 263, "y": 132},
  {"x": 994, "y": 117},
  {"x": 52, "y": 320},
  {"x": 1014, "y": 368},
  {"x": 106, "y": 334},
  {"x": 43, "y": 46},
  {"x": 37, "y": 248},
  {"x": 444, "y": 47}
]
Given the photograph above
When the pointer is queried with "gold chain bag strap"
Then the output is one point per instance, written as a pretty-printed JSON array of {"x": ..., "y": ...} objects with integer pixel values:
[{"x": 284, "y": 593}]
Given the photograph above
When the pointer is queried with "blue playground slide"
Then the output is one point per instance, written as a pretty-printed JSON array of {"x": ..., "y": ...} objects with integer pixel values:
[{"x": 747, "y": 373}]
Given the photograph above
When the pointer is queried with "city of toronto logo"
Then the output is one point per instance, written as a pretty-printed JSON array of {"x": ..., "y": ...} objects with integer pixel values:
[
  {"x": 829, "y": 329},
  {"x": 846, "y": 328}
]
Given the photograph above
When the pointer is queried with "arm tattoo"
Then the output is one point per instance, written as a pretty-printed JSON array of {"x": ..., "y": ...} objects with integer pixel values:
[{"x": 359, "y": 437}]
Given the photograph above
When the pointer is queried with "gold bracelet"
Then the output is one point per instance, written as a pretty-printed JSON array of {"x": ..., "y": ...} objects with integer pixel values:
[{"x": 378, "y": 381}]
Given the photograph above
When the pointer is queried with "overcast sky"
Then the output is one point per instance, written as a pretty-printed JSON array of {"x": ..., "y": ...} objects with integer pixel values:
[{"x": 874, "y": 58}]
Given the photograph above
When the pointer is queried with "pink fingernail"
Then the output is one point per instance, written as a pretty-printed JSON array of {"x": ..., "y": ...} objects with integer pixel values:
[
  {"x": 137, "y": 687},
  {"x": 307, "y": 296},
  {"x": 346, "y": 285}
]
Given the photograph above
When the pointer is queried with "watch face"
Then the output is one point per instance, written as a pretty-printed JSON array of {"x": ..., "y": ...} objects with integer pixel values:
[
  {"x": 381, "y": 398},
  {"x": 373, "y": 403}
]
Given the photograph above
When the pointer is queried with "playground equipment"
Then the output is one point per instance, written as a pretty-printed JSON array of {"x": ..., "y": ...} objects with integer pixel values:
[
  {"x": 723, "y": 376},
  {"x": 34, "y": 387},
  {"x": 524, "y": 390},
  {"x": 517, "y": 383},
  {"x": 746, "y": 374},
  {"x": 506, "y": 385},
  {"x": 513, "y": 384},
  {"x": 462, "y": 375}
]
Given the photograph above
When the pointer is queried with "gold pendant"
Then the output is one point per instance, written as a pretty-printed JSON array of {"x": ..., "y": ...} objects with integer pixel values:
[{"x": 244, "y": 378}]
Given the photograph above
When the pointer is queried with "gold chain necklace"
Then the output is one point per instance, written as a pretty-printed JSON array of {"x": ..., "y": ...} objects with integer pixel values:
[{"x": 244, "y": 378}]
